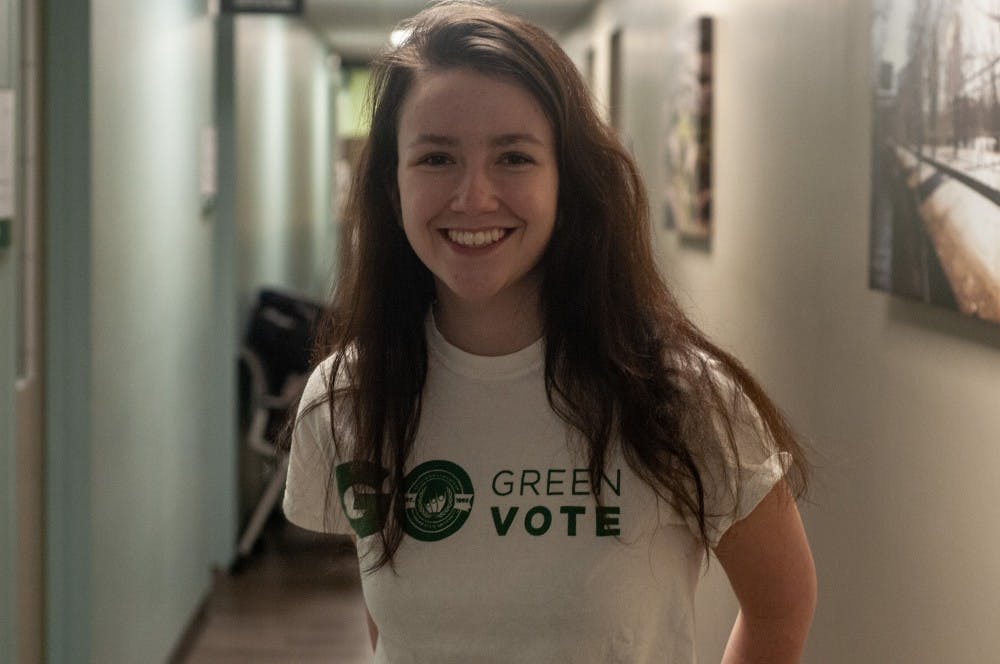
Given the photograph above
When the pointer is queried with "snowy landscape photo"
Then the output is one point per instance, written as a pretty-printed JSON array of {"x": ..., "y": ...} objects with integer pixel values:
[{"x": 935, "y": 226}]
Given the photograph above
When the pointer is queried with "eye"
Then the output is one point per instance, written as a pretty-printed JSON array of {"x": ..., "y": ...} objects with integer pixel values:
[
  {"x": 516, "y": 159},
  {"x": 435, "y": 159}
]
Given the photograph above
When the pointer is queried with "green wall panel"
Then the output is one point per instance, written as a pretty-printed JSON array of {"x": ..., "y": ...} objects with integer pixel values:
[
  {"x": 9, "y": 322},
  {"x": 68, "y": 331}
]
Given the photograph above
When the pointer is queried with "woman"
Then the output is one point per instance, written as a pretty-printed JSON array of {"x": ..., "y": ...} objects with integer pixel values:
[{"x": 532, "y": 445}]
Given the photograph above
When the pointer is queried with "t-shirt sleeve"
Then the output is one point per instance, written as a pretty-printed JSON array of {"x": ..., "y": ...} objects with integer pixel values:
[
  {"x": 737, "y": 477},
  {"x": 311, "y": 498}
]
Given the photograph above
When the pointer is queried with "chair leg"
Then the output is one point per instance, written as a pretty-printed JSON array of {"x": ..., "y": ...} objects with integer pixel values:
[{"x": 263, "y": 509}]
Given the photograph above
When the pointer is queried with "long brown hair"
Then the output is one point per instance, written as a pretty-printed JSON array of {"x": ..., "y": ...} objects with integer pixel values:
[{"x": 622, "y": 361}]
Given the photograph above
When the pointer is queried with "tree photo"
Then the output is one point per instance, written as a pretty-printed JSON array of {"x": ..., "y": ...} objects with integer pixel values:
[{"x": 935, "y": 226}]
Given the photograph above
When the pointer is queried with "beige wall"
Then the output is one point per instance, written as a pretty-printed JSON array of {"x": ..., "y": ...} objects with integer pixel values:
[{"x": 900, "y": 400}]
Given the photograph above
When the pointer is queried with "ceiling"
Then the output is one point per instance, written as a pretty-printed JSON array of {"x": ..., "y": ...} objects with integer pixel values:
[{"x": 357, "y": 29}]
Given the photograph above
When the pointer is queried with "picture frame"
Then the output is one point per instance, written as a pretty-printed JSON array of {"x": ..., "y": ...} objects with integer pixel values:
[
  {"x": 688, "y": 148},
  {"x": 935, "y": 204}
]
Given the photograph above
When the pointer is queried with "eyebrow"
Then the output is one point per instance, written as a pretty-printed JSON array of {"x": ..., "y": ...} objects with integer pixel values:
[{"x": 497, "y": 141}]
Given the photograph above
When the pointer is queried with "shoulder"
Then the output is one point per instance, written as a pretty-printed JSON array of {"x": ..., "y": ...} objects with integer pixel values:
[
  {"x": 327, "y": 381},
  {"x": 724, "y": 416},
  {"x": 732, "y": 409},
  {"x": 332, "y": 372},
  {"x": 318, "y": 384},
  {"x": 708, "y": 383}
]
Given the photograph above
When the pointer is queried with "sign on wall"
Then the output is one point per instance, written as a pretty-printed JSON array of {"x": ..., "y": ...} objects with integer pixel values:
[{"x": 935, "y": 224}]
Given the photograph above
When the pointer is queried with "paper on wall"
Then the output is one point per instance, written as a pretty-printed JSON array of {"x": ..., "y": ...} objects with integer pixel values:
[
  {"x": 8, "y": 152},
  {"x": 209, "y": 161}
]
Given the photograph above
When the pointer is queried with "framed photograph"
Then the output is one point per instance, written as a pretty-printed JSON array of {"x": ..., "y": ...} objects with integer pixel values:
[
  {"x": 688, "y": 149},
  {"x": 935, "y": 222}
]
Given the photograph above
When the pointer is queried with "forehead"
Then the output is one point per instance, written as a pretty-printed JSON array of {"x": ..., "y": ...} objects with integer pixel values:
[{"x": 453, "y": 101}]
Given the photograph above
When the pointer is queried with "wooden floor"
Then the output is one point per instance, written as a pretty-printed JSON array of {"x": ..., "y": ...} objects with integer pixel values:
[{"x": 298, "y": 601}]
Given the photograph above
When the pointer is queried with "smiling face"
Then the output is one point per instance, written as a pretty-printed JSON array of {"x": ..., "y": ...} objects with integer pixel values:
[{"x": 478, "y": 183}]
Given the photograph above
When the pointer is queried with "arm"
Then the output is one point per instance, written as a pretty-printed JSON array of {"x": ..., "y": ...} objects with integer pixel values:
[{"x": 767, "y": 559}]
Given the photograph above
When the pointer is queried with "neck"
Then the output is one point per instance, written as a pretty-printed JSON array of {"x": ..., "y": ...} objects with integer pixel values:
[{"x": 489, "y": 329}]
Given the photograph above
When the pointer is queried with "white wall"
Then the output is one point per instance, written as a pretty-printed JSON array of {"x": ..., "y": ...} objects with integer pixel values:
[
  {"x": 284, "y": 152},
  {"x": 142, "y": 294},
  {"x": 153, "y": 325},
  {"x": 899, "y": 400},
  {"x": 135, "y": 326}
]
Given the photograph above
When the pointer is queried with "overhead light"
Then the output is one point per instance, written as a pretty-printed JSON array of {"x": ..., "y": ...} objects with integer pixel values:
[{"x": 399, "y": 36}]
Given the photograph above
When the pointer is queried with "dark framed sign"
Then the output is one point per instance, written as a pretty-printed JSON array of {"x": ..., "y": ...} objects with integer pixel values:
[{"x": 262, "y": 6}]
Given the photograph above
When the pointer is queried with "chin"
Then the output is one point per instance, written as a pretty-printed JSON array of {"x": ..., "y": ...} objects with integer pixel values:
[{"x": 487, "y": 290}]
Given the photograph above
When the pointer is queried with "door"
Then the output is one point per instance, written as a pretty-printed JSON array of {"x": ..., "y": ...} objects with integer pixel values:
[{"x": 28, "y": 458}]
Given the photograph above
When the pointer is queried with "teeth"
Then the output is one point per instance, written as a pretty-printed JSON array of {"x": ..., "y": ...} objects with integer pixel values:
[{"x": 475, "y": 238}]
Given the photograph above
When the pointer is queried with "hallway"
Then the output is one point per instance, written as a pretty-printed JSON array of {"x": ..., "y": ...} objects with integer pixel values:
[
  {"x": 299, "y": 600},
  {"x": 165, "y": 160}
]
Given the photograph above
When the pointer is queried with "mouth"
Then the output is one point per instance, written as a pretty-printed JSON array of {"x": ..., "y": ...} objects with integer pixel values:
[{"x": 477, "y": 239}]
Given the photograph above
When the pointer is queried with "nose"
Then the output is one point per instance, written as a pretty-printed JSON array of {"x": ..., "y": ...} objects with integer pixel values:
[{"x": 476, "y": 193}]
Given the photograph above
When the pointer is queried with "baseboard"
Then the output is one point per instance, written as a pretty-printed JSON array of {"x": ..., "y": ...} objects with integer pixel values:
[{"x": 195, "y": 626}]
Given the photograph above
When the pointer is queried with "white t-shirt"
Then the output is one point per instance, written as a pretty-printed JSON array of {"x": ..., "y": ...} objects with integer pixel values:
[{"x": 507, "y": 557}]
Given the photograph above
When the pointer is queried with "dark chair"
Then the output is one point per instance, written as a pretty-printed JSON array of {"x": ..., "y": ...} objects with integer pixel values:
[{"x": 275, "y": 361}]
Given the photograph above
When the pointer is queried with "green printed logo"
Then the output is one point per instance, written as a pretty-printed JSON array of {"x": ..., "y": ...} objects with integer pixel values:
[
  {"x": 361, "y": 496},
  {"x": 438, "y": 500}
]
